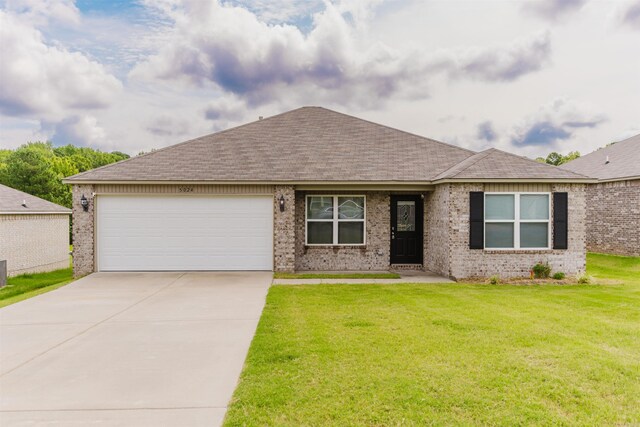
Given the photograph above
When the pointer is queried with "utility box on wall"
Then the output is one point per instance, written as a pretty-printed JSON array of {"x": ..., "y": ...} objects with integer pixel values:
[{"x": 3, "y": 273}]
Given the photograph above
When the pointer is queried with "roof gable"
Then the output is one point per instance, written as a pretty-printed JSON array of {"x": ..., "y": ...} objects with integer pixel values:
[
  {"x": 18, "y": 202},
  {"x": 497, "y": 164},
  {"x": 623, "y": 161}
]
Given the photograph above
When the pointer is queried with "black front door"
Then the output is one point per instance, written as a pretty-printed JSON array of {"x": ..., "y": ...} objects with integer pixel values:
[{"x": 406, "y": 229}]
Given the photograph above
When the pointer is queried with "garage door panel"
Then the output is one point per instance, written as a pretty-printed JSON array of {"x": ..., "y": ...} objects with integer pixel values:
[{"x": 184, "y": 233}]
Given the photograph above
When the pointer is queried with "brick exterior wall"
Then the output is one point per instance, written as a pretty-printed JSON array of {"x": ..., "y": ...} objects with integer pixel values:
[
  {"x": 613, "y": 218},
  {"x": 437, "y": 230},
  {"x": 284, "y": 230},
  {"x": 373, "y": 256},
  {"x": 34, "y": 243},
  {"x": 466, "y": 263},
  {"x": 446, "y": 233},
  {"x": 83, "y": 231}
]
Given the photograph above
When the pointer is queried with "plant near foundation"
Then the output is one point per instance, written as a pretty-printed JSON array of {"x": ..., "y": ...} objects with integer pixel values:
[
  {"x": 584, "y": 278},
  {"x": 494, "y": 280},
  {"x": 541, "y": 271},
  {"x": 559, "y": 275}
]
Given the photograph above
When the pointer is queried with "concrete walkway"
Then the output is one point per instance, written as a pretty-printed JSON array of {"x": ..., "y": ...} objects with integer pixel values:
[
  {"x": 409, "y": 276},
  {"x": 125, "y": 349}
]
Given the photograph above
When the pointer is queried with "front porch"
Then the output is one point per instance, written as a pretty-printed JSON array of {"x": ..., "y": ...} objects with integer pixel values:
[{"x": 355, "y": 230}]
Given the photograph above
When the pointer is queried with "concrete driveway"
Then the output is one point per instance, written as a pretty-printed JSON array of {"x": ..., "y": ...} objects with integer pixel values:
[{"x": 158, "y": 349}]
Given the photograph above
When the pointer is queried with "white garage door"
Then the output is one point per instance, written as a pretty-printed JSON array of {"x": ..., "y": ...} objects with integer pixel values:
[{"x": 154, "y": 233}]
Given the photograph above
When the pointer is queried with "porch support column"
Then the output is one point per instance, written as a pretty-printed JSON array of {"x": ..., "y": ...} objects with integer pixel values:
[
  {"x": 83, "y": 231},
  {"x": 284, "y": 236}
]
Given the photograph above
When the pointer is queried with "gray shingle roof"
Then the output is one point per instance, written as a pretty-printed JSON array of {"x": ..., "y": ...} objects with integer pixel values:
[
  {"x": 497, "y": 164},
  {"x": 11, "y": 201},
  {"x": 624, "y": 161},
  {"x": 309, "y": 144}
]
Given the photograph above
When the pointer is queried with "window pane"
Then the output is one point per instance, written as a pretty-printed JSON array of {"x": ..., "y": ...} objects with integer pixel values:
[
  {"x": 534, "y": 206},
  {"x": 499, "y": 206},
  {"x": 319, "y": 207},
  {"x": 351, "y": 207},
  {"x": 351, "y": 233},
  {"x": 406, "y": 216},
  {"x": 498, "y": 235},
  {"x": 534, "y": 235},
  {"x": 319, "y": 233}
]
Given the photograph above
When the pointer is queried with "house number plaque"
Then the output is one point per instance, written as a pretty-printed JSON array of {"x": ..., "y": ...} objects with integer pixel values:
[{"x": 184, "y": 189}]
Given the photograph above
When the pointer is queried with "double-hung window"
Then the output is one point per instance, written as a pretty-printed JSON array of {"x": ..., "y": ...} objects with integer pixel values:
[
  {"x": 516, "y": 220},
  {"x": 335, "y": 220}
]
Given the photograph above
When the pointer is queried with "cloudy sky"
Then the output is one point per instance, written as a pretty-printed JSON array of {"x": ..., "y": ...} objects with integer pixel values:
[{"x": 525, "y": 76}]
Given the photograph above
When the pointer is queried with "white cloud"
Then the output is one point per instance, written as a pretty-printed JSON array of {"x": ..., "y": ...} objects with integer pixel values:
[
  {"x": 166, "y": 125},
  {"x": 229, "y": 49},
  {"x": 80, "y": 130},
  {"x": 631, "y": 15},
  {"x": 42, "y": 12},
  {"x": 555, "y": 123},
  {"x": 553, "y": 9},
  {"x": 48, "y": 82}
]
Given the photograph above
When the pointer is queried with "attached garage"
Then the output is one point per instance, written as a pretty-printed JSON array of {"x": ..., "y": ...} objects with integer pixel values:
[{"x": 167, "y": 233}]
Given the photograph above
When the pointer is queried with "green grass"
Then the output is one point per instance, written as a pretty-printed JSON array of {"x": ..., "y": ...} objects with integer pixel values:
[
  {"x": 29, "y": 285},
  {"x": 609, "y": 268},
  {"x": 447, "y": 354},
  {"x": 278, "y": 275}
]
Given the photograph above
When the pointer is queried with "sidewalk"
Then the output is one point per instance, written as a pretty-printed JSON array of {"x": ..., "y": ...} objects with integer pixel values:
[{"x": 408, "y": 276}]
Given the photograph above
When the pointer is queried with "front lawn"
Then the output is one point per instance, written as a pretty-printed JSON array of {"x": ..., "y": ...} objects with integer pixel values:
[
  {"x": 447, "y": 354},
  {"x": 29, "y": 285}
]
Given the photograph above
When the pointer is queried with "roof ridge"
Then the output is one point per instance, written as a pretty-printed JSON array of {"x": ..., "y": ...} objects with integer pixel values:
[
  {"x": 481, "y": 155},
  {"x": 393, "y": 129},
  {"x": 443, "y": 174},
  {"x": 72, "y": 177}
]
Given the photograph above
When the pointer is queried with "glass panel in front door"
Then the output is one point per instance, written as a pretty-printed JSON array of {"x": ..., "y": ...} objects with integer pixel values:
[{"x": 406, "y": 216}]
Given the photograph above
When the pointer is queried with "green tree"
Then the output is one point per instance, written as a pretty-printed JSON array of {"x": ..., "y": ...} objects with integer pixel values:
[
  {"x": 557, "y": 159},
  {"x": 29, "y": 169},
  {"x": 38, "y": 168}
]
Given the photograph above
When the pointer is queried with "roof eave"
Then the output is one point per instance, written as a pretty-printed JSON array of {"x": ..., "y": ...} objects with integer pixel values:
[
  {"x": 519, "y": 180},
  {"x": 624, "y": 178},
  {"x": 360, "y": 182},
  {"x": 35, "y": 213}
]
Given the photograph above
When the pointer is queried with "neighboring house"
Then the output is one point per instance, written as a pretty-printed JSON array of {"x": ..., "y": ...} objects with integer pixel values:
[
  {"x": 613, "y": 208},
  {"x": 34, "y": 233},
  {"x": 313, "y": 189}
]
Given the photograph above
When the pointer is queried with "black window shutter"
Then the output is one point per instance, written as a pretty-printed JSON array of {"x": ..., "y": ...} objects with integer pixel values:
[
  {"x": 560, "y": 219},
  {"x": 476, "y": 220}
]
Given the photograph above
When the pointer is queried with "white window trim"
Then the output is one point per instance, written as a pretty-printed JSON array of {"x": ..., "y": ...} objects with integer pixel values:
[
  {"x": 517, "y": 221},
  {"x": 335, "y": 220}
]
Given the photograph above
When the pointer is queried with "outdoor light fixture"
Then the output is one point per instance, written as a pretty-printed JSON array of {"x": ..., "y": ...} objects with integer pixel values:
[
  {"x": 85, "y": 203},
  {"x": 281, "y": 203}
]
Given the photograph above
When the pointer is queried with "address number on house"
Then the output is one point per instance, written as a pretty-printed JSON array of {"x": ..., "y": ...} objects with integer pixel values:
[{"x": 185, "y": 189}]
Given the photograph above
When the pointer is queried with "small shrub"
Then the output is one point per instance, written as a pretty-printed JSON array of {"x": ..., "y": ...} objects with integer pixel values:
[
  {"x": 541, "y": 271},
  {"x": 494, "y": 280},
  {"x": 584, "y": 278},
  {"x": 559, "y": 275}
]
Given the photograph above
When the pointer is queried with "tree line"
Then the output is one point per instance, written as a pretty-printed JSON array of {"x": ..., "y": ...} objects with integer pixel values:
[
  {"x": 557, "y": 159},
  {"x": 38, "y": 168}
]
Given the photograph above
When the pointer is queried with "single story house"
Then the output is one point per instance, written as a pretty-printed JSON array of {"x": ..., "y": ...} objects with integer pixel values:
[
  {"x": 613, "y": 211},
  {"x": 314, "y": 189},
  {"x": 34, "y": 233}
]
